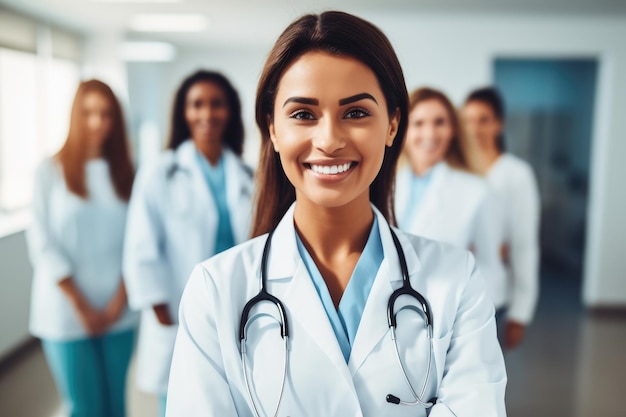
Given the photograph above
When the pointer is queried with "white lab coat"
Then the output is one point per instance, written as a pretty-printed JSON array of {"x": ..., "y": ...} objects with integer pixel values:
[
  {"x": 515, "y": 182},
  {"x": 172, "y": 226},
  {"x": 460, "y": 209},
  {"x": 468, "y": 373},
  {"x": 78, "y": 238}
]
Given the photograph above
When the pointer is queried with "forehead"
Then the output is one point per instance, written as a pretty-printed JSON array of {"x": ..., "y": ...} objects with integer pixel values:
[
  {"x": 478, "y": 108},
  {"x": 95, "y": 98},
  {"x": 319, "y": 74},
  {"x": 431, "y": 107},
  {"x": 204, "y": 88}
]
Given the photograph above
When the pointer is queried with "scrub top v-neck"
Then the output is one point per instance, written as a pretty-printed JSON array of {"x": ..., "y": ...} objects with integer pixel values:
[{"x": 345, "y": 320}]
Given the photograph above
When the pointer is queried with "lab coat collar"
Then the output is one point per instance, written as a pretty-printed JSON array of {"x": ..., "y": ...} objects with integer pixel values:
[{"x": 282, "y": 264}]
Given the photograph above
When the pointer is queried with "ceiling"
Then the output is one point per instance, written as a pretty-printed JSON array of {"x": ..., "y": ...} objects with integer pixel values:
[{"x": 250, "y": 22}]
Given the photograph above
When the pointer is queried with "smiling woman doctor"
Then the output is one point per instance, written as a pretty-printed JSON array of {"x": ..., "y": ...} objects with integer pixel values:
[
  {"x": 295, "y": 322},
  {"x": 194, "y": 202}
]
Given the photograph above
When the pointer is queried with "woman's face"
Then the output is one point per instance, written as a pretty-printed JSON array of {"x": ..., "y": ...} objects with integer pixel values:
[
  {"x": 97, "y": 118},
  {"x": 428, "y": 134},
  {"x": 331, "y": 127},
  {"x": 206, "y": 113},
  {"x": 481, "y": 124}
]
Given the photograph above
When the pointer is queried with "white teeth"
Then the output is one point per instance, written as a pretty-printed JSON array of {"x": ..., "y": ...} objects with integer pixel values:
[{"x": 331, "y": 169}]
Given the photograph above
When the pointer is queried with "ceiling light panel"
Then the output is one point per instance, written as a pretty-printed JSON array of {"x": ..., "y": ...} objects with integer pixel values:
[{"x": 169, "y": 22}]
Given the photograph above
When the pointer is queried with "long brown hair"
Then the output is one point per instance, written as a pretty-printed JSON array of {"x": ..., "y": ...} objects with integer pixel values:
[
  {"x": 454, "y": 155},
  {"x": 339, "y": 34},
  {"x": 73, "y": 155},
  {"x": 234, "y": 132}
]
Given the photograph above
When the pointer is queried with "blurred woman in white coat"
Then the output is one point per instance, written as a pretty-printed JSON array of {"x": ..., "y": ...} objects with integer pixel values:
[
  {"x": 193, "y": 203},
  {"x": 438, "y": 198},
  {"x": 296, "y": 322},
  {"x": 514, "y": 181},
  {"x": 78, "y": 305}
]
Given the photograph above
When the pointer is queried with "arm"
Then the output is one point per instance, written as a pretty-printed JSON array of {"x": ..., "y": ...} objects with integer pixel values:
[
  {"x": 487, "y": 237},
  {"x": 48, "y": 256},
  {"x": 474, "y": 377},
  {"x": 117, "y": 305},
  {"x": 93, "y": 320},
  {"x": 198, "y": 384},
  {"x": 147, "y": 273},
  {"x": 524, "y": 250}
]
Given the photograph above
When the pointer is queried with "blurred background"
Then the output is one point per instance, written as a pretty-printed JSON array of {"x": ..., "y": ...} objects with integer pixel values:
[{"x": 561, "y": 68}]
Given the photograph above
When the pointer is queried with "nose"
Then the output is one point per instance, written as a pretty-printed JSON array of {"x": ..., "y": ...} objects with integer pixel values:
[
  {"x": 428, "y": 132},
  {"x": 94, "y": 122},
  {"x": 329, "y": 137}
]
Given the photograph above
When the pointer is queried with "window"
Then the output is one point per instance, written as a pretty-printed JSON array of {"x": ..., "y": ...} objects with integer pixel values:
[{"x": 35, "y": 101}]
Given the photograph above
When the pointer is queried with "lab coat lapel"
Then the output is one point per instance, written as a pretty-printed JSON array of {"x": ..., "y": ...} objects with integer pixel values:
[
  {"x": 374, "y": 326},
  {"x": 289, "y": 281}
]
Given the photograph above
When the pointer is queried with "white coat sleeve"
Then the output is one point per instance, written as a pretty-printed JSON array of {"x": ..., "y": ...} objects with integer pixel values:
[
  {"x": 147, "y": 273},
  {"x": 488, "y": 236},
  {"x": 197, "y": 384},
  {"x": 524, "y": 249},
  {"x": 49, "y": 258},
  {"x": 474, "y": 376}
]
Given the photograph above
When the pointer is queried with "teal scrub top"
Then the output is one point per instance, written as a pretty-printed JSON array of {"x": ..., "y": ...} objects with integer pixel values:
[{"x": 216, "y": 180}]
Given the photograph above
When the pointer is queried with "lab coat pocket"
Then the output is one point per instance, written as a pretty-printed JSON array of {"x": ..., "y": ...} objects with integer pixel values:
[{"x": 440, "y": 353}]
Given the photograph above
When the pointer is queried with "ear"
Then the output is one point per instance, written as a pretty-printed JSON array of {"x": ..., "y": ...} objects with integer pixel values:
[
  {"x": 392, "y": 131},
  {"x": 270, "y": 127}
]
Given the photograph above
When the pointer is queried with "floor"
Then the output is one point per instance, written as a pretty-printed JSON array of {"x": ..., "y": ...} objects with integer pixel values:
[{"x": 572, "y": 364}]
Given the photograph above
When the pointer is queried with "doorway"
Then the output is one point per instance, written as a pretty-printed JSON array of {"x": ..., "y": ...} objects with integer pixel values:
[{"x": 550, "y": 107}]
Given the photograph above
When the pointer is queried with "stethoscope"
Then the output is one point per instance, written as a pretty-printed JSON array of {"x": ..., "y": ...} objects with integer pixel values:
[{"x": 405, "y": 289}]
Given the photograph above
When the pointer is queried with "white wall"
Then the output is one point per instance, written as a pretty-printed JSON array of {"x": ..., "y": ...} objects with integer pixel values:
[{"x": 15, "y": 282}]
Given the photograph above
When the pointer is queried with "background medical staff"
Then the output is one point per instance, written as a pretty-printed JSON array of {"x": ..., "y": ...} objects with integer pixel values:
[
  {"x": 194, "y": 202},
  {"x": 78, "y": 305},
  {"x": 437, "y": 197},
  {"x": 332, "y": 108},
  {"x": 514, "y": 181}
]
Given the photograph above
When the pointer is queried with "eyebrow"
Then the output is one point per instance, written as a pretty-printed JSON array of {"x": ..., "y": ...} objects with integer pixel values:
[
  {"x": 355, "y": 98},
  {"x": 342, "y": 102},
  {"x": 302, "y": 100}
]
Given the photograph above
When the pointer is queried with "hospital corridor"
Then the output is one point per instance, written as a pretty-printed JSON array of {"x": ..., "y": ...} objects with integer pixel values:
[{"x": 279, "y": 208}]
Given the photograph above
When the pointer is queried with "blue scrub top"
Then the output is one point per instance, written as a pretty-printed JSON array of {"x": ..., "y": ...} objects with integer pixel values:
[
  {"x": 216, "y": 181},
  {"x": 345, "y": 321},
  {"x": 418, "y": 187}
]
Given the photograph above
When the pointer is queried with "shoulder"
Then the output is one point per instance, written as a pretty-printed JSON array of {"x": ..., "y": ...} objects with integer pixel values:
[
  {"x": 519, "y": 172},
  {"x": 467, "y": 179},
  {"x": 231, "y": 158},
  {"x": 464, "y": 187},
  {"x": 243, "y": 260},
  {"x": 48, "y": 172},
  {"x": 429, "y": 250},
  {"x": 158, "y": 170}
]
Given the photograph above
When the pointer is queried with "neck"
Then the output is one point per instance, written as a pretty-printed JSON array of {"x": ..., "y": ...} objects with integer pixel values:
[
  {"x": 93, "y": 153},
  {"x": 420, "y": 168},
  {"x": 332, "y": 233},
  {"x": 211, "y": 151},
  {"x": 481, "y": 159}
]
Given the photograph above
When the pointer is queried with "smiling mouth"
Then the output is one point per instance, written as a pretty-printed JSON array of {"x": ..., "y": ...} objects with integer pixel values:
[{"x": 330, "y": 169}]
